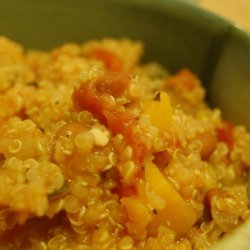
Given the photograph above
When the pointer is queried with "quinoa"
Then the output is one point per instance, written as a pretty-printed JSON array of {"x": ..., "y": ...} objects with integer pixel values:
[{"x": 98, "y": 151}]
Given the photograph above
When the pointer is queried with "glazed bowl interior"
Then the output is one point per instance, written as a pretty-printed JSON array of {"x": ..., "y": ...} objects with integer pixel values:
[{"x": 175, "y": 34}]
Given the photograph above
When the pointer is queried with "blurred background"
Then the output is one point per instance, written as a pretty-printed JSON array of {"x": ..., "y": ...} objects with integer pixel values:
[{"x": 237, "y": 11}]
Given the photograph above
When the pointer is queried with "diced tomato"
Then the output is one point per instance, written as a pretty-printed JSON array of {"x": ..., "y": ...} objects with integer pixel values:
[
  {"x": 184, "y": 78},
  {"x": 112, "y": 83},
  {"x": 140, "y": 173},
  {"x": 225, "y": 133},
  {"x": 110, "y": 59},
  {"x": 124, "y": 123},
  {"x": 94, "y": 95},
  {"x": 86, "y": 98},
  {"x": 124, "y": 190},
  {"x": 134, "y": 139},
  {"x": 120, "y": 123}
]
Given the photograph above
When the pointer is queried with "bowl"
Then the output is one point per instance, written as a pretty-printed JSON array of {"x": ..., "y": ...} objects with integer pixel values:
[{"x": 175, "y": 33}]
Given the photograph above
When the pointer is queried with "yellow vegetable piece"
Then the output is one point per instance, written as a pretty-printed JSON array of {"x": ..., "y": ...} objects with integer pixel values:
[
  {"x": 177, "y": 213},
  {"x": 138, "y": 213},
  {"x": 159, "y": 110}
]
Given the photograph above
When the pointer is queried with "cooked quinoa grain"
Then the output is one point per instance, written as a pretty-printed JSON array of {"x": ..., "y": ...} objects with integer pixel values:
[{"x": 100, "y": 152}]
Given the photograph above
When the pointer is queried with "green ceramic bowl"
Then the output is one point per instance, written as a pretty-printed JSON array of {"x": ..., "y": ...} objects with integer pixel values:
[{"x": 175, "y": 33}]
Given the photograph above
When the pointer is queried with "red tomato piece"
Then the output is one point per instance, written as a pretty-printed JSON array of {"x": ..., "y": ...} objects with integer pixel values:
[
  {"x": 112, "y": 83},
  {"x": 184, "y": 78},
  {"x": 94, "y": 95},
  {"x": 86, "y": 98},
  {"x": 110, "y": 59},
  {"x": 126, "y": 191},
  {"x": 225, "y": 134},
  {"x": 124, "y": 123}
]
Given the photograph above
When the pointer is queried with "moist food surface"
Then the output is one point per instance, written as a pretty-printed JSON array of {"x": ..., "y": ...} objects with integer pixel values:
[{"x": 100, "y": 151}]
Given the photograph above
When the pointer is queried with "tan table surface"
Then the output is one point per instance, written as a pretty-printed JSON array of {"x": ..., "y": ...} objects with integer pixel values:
[{"x": 237, "y": 11}]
